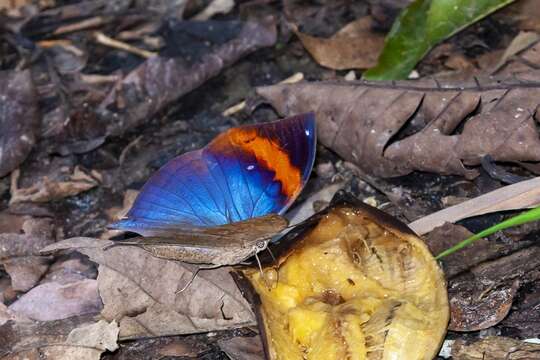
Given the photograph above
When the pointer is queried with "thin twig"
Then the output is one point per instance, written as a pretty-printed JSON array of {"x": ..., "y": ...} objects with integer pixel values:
[
  {"x": 525, "y": 194},
  {"x": 103, "y": 39},
  {"x": 82, "y": 25}
]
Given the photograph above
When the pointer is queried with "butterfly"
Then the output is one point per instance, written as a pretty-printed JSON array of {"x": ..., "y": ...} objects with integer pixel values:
[{"x": 223, "y": 203}]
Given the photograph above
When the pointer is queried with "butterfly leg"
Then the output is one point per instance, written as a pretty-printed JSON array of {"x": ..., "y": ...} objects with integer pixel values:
[{"x": 195, "y": 273}]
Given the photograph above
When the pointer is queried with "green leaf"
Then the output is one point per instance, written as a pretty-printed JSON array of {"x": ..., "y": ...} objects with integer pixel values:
[
  {"x": 420, "y": 26},
  {"x": 528, "y": 216}
]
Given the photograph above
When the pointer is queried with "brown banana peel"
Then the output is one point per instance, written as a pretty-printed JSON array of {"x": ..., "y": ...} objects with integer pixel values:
[{"x": 356, "y": 284}]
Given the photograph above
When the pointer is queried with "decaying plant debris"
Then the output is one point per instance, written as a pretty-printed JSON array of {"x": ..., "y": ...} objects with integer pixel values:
[{"x": 97, "y": 95}]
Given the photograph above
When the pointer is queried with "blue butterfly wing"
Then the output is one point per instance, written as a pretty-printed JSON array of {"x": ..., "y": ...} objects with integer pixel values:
[{"x": 245, "y": 172}]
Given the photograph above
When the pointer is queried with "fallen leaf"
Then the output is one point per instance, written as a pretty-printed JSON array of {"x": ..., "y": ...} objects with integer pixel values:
[
  {"x": 53, "y": 301},
  {"x": 25, "y": 272},
  {"x": 69, "y": 268},
  {"x": 420, "y": 26},
  {"x": 48, "y": 190},
  {"x": 27, "y": 339},
  {"x": 495, "y": 347},
  {"x": 19, "y": 249},
  {"x": 139, "y": 291},
  {"x": 483, "y": 297},
  {"x": 521, "y": 42},
  {"x": 19, "y": 118},
  {"x": 447, "y": 235},
  {"x": 243, "y": 348},
  {"x": 29, "y": 239},
  {"x": 525, "y": 316},
  {"x": 356, "y": 46},
  {"x": 86, "y": 342},
  {"x": 391, "y": 129}
]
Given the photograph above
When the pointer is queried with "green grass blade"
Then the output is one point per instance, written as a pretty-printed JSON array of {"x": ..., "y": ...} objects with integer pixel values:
[{"x": 528, "y": 216}]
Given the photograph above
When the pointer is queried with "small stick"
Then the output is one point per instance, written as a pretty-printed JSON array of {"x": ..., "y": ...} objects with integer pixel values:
[
  {"x": 99, "y": 79},
  {"x": 103, "y": 39},
  {"x": 241, "y": 105},
  {"x": 79, "y": 26},
  {"x": 65, "y": 44},
  {"x": 524, "y": 194}
]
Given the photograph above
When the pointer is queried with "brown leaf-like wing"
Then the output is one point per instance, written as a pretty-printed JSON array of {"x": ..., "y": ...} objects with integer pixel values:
[{"x": 228, "y": 244}]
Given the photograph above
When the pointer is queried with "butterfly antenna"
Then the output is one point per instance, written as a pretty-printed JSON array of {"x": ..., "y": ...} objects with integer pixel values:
[
  {"x": 189, "y": 282},
  {"x": 262, "y": 272}
]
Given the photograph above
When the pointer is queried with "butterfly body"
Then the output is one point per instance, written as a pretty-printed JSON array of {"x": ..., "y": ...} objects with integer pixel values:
[
  {"x": 245, "y": 173},
  {"x": 221, "y": 245}
]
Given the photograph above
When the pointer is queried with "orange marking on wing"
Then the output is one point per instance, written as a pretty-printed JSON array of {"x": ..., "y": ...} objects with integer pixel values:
[{"x": 271, "y": 155}]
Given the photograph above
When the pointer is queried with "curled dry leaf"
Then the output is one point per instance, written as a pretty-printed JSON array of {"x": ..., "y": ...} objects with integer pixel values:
[
  {"x": 139, "y": 291},
  {"x": 19, "y": 118},
  {"x": 356, "y": 46},
  {"x": 495, "y": 347},
  {"x": 393, "y": 128},
  {"x": 54, "y": 301},
  {"x": 48, "y": 190}
]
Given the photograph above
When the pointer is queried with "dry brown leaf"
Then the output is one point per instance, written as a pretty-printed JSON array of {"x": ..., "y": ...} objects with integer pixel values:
[
  {"x": 356, "y": 46},
  {"x": 495, "y": 347},
  {"x": 48, "y": 190},
  {"x": 25, "y": 272},
  {"x": 19, "y": 118},
  {"x": 243, "y": 348},
  {"x": 392, "y": 128},
  {"x": 19, "y": 249},
  {"x": 521, "y": 42},
  {"x": 26, "y": 339},
  {"x": 483, "y": 297},
  {"x": 34, "y": 234},
  {"x": 447, "y": 235},
  {"x": 88, "y": 342},
  {"x": 139, "y": 291},
  {"x": 525, "y": 316},
  {"x": 53, "y": 301}
]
